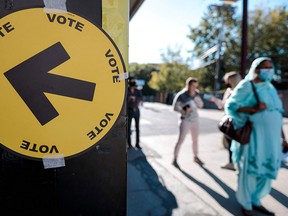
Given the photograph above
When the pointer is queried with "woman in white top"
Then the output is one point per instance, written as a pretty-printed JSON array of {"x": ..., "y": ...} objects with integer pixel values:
[{"x": 186, "y": 102}]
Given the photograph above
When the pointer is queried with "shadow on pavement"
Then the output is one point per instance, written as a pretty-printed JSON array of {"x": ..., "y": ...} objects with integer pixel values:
[
  {"x": 147, "y": 195},
  {"x": 277, "y": 195},
  {"x": 230, "y": 203},
  {"x": 280, "y": 197},
  {"x": 284, "y": 166}
]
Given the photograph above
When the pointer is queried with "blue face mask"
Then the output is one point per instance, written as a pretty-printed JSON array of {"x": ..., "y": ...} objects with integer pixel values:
[{"x": 266, "y": 74}]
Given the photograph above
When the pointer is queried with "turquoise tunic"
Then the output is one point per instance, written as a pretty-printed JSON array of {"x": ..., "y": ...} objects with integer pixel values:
[
  {"x": 259, "y": 160},
  {"x": 264, "y": 148}
]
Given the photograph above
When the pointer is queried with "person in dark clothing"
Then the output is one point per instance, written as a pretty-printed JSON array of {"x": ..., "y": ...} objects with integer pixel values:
[{"x": 134, "y": 99}]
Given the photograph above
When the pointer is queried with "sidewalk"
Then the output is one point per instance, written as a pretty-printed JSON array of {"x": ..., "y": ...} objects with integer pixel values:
[
  {"x": 148, "y": 193},
  {"x": 155, "y": 187}
]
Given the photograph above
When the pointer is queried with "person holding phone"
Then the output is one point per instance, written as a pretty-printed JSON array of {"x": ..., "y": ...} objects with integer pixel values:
[{"x": 186, "y": 102}]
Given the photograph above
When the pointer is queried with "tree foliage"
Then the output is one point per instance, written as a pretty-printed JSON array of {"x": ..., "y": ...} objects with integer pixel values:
[
  {"x": 218, "y": 27},
  {"x": 144, "y": 72},
  {"x": 267, "y": 36},
  {"x": 173, "y": 72}
]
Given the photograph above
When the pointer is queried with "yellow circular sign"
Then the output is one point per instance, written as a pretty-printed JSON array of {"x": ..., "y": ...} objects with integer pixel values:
[{"x": 61, "y": 83}]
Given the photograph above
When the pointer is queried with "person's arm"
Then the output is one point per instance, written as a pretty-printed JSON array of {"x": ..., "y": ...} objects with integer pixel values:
[
  {"x": 177, "y": 105},
  {"x": 243, "y": 94},
  {"x": 140, "y": 97},
  {"x": 199, "y": 102},
  {"x": 180, "y": 107},
  {"x": 226, "y": 95},
  {"x": 253, "y": 109}
]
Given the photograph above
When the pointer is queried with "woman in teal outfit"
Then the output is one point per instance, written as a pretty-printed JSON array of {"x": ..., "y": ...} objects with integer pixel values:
[{"x": 259, "y": 160}]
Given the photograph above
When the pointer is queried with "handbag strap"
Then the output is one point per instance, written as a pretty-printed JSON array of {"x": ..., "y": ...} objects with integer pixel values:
[{"x": 255, "y": 93}]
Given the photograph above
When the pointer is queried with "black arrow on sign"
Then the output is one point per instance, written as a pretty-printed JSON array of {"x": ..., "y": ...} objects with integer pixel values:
[{"x": 31, "y": 79}]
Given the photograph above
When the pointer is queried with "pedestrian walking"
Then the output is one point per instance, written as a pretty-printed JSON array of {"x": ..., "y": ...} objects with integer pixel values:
[
  {"x": 259, "y": 160},
  {"x": 231, "y": 80},
  {"x": 186, "y": 102},
  {"x": 134, "y": 99}
]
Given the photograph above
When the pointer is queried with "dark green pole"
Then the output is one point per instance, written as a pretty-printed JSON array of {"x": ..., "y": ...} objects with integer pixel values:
[{"x": 244, "y": 38}]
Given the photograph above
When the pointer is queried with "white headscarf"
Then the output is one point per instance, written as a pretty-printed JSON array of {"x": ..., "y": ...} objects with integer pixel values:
[{"x": 254, "y": 65}]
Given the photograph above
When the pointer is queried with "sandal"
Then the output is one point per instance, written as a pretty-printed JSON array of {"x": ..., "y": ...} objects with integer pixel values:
[
  {"x": 174, "y": 163},
  {"x": 263, "y": 210},
  {"x": 247, "y": 212},
  {"x": 198, "y": 161}
]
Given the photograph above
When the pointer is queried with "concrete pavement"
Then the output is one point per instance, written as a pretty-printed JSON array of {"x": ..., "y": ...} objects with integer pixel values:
[{"x": 156, "y": 187}]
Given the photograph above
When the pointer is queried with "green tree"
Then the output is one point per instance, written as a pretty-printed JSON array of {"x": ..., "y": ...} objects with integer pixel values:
[
  {"x": 143, "y": 72},
  {"x": 267, "y": 36},
  {"x": 171, "y": 76},
  {"x": 173, "y": 72},
  {"x": 218, "y": 27}
]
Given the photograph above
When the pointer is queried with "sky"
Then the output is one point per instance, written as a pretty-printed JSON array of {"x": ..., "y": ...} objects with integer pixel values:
[{"x": 162, "y": 24}]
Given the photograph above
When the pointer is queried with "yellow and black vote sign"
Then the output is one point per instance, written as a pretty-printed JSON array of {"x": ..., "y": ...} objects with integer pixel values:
[{"x": 61, "y": 83}]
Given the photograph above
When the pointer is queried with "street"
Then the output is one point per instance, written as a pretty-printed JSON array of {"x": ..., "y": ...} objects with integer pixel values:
[{"x": 155, "y": 187}]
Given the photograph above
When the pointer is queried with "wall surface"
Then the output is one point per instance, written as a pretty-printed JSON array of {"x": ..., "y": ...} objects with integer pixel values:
[{"x": 92, "y": 182}]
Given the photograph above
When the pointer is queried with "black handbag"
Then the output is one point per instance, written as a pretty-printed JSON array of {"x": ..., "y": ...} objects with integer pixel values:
[{"x": 241, "y": 135}]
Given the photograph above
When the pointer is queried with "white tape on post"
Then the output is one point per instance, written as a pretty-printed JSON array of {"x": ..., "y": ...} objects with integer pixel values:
[
  {"x": 55, "y": 6},
  {"x": 53, "y": 161},
  {"x": 123, "y": 76}
]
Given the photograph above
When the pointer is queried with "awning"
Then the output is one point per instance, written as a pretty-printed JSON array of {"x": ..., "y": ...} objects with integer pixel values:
[{"x": 134, "y": 6}]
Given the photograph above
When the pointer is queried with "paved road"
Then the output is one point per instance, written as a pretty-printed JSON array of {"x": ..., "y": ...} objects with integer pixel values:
[{"x": 155, "y": 187}]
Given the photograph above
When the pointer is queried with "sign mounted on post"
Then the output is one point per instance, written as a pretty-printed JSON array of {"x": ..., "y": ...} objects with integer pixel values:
[{"x": 62, "y": 83}]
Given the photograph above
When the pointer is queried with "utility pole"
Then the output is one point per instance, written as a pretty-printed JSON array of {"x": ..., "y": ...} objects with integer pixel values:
[
  {"x": 244, "y": 38},
  {"x": 219, "y": 53},
  {"x": 226, "y": 4}
]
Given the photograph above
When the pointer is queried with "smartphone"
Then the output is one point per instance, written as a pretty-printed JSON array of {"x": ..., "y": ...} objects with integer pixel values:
[{"x": 186, "y": 106}]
